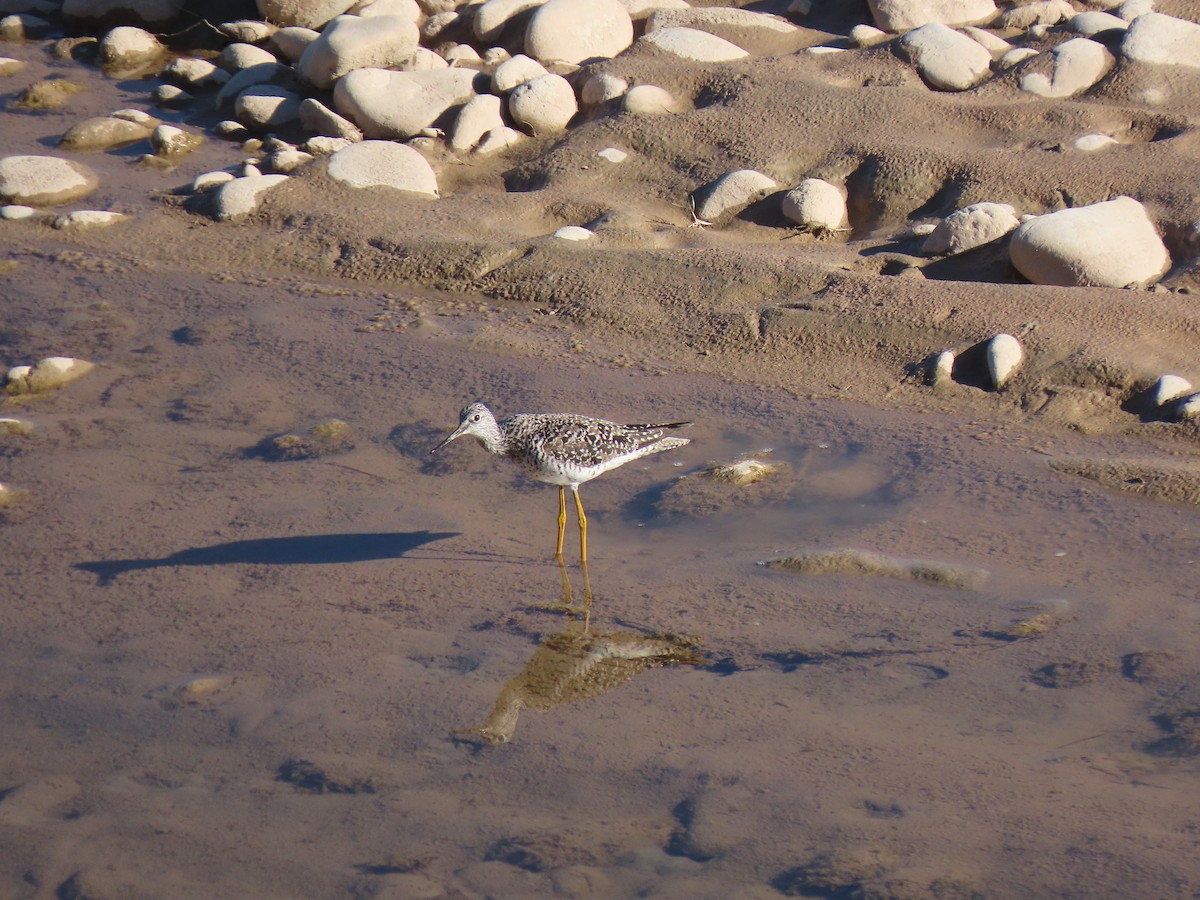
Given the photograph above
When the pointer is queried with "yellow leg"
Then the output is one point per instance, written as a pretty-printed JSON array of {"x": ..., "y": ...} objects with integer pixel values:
[
  {"x": 562, "y": 520},
  {"x": 582, "y": 526}
]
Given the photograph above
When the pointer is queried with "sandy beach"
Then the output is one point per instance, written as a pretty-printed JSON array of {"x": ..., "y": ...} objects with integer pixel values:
[{"x": 947, "y": 648}]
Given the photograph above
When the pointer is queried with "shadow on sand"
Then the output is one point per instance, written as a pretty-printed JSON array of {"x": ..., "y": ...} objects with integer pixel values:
[{"x": 314, "y": 549}]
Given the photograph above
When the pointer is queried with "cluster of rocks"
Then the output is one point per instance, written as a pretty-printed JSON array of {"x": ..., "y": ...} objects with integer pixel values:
[
  {"x": 47, "y": 375},
  {"x": 990, "y": 364}
]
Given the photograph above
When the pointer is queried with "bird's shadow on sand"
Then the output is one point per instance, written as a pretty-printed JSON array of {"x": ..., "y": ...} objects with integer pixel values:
[{"x": 314, "y": 549}]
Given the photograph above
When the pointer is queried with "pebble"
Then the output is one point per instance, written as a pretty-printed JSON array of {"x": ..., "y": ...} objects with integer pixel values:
[
  {"x": 478, "y": 116},
  {"x": 248, "y": 31},
  {"x": 1077, "y": 65},
  {"x": 693, "y": 44},
  {"x": 1187, "y": 407},
  {"x": 88, "y": 218},
  {"x": 1168, "y": 388},
  {"x": 648, "y": 99},
  {"x": 368, "y": 9},
  {"x": 168, "y": 140},
  {"x": 868, "y": 36},
  {"x": 210, "y": 180},
  {"x": 264, "y": 107},
  {"x": 126, "y": 46},
  {"x": 170, "y": 95},
  {"x": 383, "y": 164},
  {"x": 15, "y": 212},
  {"x": 238, "y": 56},
  {"x": 291, "y": 42},
  {"x": 304, "y": 13},
  {"x": 23, "y": 27},
  {"x": 10, "y": 66},
  {"x": 1004, "y": 356},
  {"x": 433, "y": 27},
  {"x": 970, "y": 227},
  {"x": 1131, "y": 9},
  {"x": 389, "y": 105},
  {"x": 574, "y": 233},
  {"x": 287, "y": 160},
  {"x": 1090, "y": 143},
  {"x": 905, "y": 15},
  {"x": 1108, "y": 244},
  {"x": 1158, "y": 38},
  {"x": 544, "y": 105},
  {"x": 52, "y": 372},
  {"x": 1014, "y": 56},
  {"x": 322, "y": 145},
  {"x": 15, "y": 427},
  {"x": 44, "y": 180},
  {"x": 816, "y": 205},
  {"x": 350, "y": 42},
  {"x": 103, "y": 133},
  {"x": 573, "y": 31},
  {"x": 242, "y": 196},
  {"x": 195, "y": 72},
  {"x": 731, "y": 193},
  {"x": 941, "y": 371},
  {"x": 498, "y": 140},
  {"x": 462, "y": 55},
  {"x": 945, "y": 58},
  {"x": 263, "y": 73},
  {"x": 318, "y": 119},
  {"x": 613, "y": 155},
  {"x": 602, "y": 88},
  {"x": 493, "y": 16},
  {"x": 993, "y": 42},
  {"x": 728, "y": 22},
  {"x": 1096, "y": 22},
  {"x": 1032, "y": 15}
]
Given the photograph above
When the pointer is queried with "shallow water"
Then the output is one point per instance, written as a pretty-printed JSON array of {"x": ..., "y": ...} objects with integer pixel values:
[{"x": 841, "y": 735}]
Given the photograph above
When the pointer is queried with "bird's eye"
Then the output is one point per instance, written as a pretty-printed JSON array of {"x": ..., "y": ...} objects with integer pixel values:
[{"x": 475, "y": 418}]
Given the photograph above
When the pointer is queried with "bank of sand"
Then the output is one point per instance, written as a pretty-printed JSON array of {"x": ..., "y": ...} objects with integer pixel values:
[{"x": 846, "y": 736}]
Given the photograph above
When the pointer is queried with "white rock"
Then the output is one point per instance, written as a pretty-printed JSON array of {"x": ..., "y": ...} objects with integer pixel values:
[
  {"x": 602, "y": 88},
  {"x": 1096, "y": 22},
  {"x": 195, "y": 72},
  {"x": 17, "y": 427},
  {"x": 613, "y": 155},
  {"x": 462, "y": 55},
  {"x": 321, "y": 145},
  {"x": 993, "y": 42},
  {"x": 318, "y": 119},
  {"x": 905, "y": 15},
  {"x": 384, "y": 164},
  {"x": 238, "y": 56},
  {"x": 494, "y": 56},
  {"x": 868, "y": 36},
  {"x": 391, "y": 105},
  {"x": 44, "y": 180},
  {"x": 493, "y": 16},
  {"x": 1077, "y": 65},
  {"x": 970, "y": 227},
  {"x": 266, "y": 106},
  {"x": 1014, "y": 56},
  {"x": 349, "y": 42},
  {"x": 15, "y": 212},
  {"x": 210, "y": 180},
  {"x": 1034, "y": 15},
  {"x": 1131, "y": 9},
  {"x": 942, "y": 370},
  {"x": 10, "y": 66},
  {"x": 103, "y": 133},
  {"x": 728, "y": 22},
  {"x": 544, "y": 105},
  {"x": 946, "y": 59},
  {"x": 1090, "y": 143},
  {"x": 263, "y": 73},
  {"x": 643, "y": 9},
  {"x": 248, "y": 31},
  {"x": 433, "y": 27},
  {"x": 731, "y": 193},
  {"x": 304, "y": 13},
  {"x": 1186, "y": 407},
  {"x": 231, "y": 130},
  {"x": 88, "y": 218},
  {"x": 1157, "y": 38},
  {"x": 498, "y": 140},
  {"x": 168, "y": 140},
  {"x": 478, "y": 116},
  {"x": 425, "y": 60},
  {"x": 125, "y": 46},
  {"x": 648, "y": 99},
  {"x": 693, "y": 44},
  {"x": 1004, "y": 355},
  {"x": 287, "y": 160},
  {"x": 250, "y": 169},
  {"x": 242, "y": 196},
  {"x": 369, "y": 9},
  {"x": 824, "y": 51},
  {"x": 573, "y": 31},
  {"x": 574, "y": 233},
  {"x": 50, "y": 373},
  {"x": 1109, "y": 244},
  {"x": 1168, "y": 388},
  {"x": 816, "y": 205},
  {"x": 292, "y": 42}
]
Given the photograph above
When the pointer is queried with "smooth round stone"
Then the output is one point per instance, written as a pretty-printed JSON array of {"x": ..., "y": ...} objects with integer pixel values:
[
  {"x": 1095, "y": 22},
  {"x": 168, "y": 140},
  {"x": 288, "y": 160},
  {"x": 993, "y": 42},
  {"x": 264, "y": 73},
  {"x": 602, "y": 88},
  {"x": 498, "y": 140},
  {"x": 383, "y": 164},
  {"x": 971, "y": 227},
  {"x": 195, "y": 72},
  {"x": 693, "y": 44},
  {"x": 15, "y": 212},
  {"x": 292, "y": 42},
  {"x": 493, "y": 16},
  {"x": 574, "y": 233},
  {"x": 126, "y": 46},
  {"x": 1131, "y": 9},
  {"x": 573, "y": 31},
  {"x": 10, "y": 66},
  {"x": 1014, "y": 56},
  {"x": 247, "y": 31},
  {"x": 648, "y": 99},
  {"x": 544, "y": 105},
  {"x": 816, "y": 205},
  {"x": 103, "y": 133},
  {"x": 169, "y": 95},
  {"x": 1004, "y": 356},
  {"x": 52, "y": 372},
  {"x": 613, "y": 155},
  {"x": 304, "y": 13},
  {"x": 478, "y": 116},
  {"x": 88, "y": 218},
  {"x": 44, "y": 180},
  {"x": 1187, "y": 407},
  {"x": 210, "y": 180},
  {"x": 1108, "y": 244},
  {"x": 1041, "y": 14},
  {"x": 1090, "y": 143},
  {"x": 868, "y": 35},
  {"x": 942, "y": 370},
  {"x": 238, "y": 56},
  {"x": 322, "y": 145},
  {"x": 516, "y": 71},
  {"x": 388, "y": 105},
  {"x": 905, "y": 15},
  {"x": 318, "y": 119},
  {"x": 433, "y": 27},
  {"x": 350, "y": 42},
  {"x": 267, "y": 106},
  {"x": 1077, "y": 65},
  {"x": 946, "y": 59},
  {"x": 731, "y": 193},
  {"x": 242, "y": 196},
  {"x": 1168, "y": 388},
  {"x": 1157, "y": 38},
  {"x": 408, "y": 9}
]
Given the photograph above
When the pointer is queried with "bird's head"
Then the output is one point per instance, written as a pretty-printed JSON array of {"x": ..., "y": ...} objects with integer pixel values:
[{"x": 475, "y": 419}]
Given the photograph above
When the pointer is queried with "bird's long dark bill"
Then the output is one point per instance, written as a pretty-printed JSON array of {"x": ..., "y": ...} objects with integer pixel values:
[{"x": 457, "y": 432}]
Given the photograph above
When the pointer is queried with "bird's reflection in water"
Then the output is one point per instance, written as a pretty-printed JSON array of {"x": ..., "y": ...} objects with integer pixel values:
[{"x": 579, "y": 663}]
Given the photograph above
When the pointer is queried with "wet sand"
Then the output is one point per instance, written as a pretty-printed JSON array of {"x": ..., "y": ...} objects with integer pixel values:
[{"x": 225, "y": 675}]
